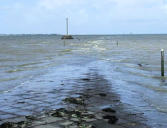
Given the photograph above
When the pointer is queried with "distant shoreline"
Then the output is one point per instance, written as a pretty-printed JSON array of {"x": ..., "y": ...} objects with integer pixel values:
[{"x": 80, "y": 34}]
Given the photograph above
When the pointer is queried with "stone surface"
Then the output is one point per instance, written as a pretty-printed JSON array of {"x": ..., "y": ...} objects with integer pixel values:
[
  {"x": 73, "y": 126},
  {"x": 48, "y": 126},
  {"x": 67, "y": 123},
  {"x": 89, "y": 120},
  {"x": 77, "y": 101},
  {"x": 75, "y": 111},
  {"x": 111, "y": 119},
  {"x": 52, "y": 119},
  {"x": 109, "y": 110},
  {"x": 75, "y": 119}
]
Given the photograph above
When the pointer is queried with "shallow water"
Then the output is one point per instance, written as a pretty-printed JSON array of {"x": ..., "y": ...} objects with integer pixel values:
[{"x": 26, "y": 59}]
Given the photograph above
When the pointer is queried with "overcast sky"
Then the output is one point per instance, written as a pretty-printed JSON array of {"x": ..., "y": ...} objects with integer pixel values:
[{"x": 86, "y": 16}]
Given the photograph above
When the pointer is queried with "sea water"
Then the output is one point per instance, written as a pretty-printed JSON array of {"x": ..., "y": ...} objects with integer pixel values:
[{"x": 130, "y": 62}]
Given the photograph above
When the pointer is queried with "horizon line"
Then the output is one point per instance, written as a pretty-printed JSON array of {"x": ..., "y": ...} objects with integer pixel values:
[{"x": 84, "y": 34}]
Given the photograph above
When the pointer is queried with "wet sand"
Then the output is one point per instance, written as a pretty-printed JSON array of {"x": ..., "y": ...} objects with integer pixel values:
[{"x": 94, "y": 105}]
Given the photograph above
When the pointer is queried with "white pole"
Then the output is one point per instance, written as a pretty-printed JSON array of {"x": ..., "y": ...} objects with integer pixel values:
[{"x": 67, "y": 25}]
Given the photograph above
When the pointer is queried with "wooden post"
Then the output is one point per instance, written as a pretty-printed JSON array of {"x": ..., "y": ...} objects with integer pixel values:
[{"x": 162, "y": 62}]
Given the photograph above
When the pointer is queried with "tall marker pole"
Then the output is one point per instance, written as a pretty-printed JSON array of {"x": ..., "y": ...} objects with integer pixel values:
[{"x": 67, "y": 25}]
